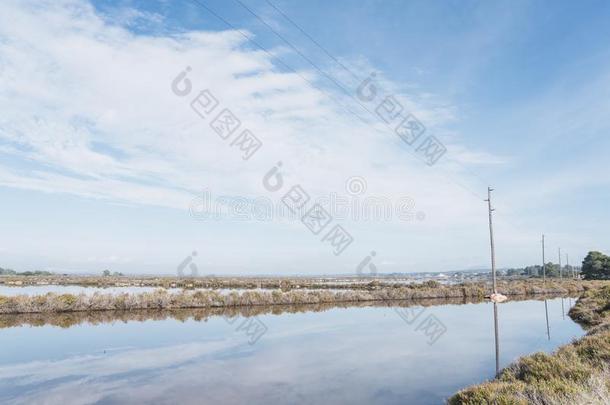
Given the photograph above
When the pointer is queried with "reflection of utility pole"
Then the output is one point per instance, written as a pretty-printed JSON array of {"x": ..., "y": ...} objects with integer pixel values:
[
  {"x": 546, "y": 312},
  {"x": 543, "y": 261},
  {"x": 497, "y": 339},
  {"x": 491, "y": 240},
  {"x": 560, "y": 275}
]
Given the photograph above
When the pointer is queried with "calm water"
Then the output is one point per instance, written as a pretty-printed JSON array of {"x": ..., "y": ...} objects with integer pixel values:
[{"x": 354, "y": 355}]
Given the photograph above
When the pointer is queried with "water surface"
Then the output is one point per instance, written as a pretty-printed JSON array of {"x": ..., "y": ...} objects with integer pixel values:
[
  {"x": 341, "y": 355},
  {"x": 71, "y": 289}
]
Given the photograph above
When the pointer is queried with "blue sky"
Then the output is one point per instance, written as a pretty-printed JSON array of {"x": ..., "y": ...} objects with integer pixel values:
[{"x": 102, "y": 166}]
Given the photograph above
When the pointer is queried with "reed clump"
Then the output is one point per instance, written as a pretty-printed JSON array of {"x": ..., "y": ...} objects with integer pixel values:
[{"x": 577, "y": 373}]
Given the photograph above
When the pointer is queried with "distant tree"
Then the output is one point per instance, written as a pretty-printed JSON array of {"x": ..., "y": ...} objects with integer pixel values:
[
  {"x": 117, "y": 274},
  {"x": 515, "y": 272},
  {"x": 36, "y": 273},
  {"x": 106, "y": 273},
  {"x": 431, "y": 284},
  {"x": 9, "y": 272},
  {"x": 596, "y": 266},
  {"x": 552, "y": 270},
  {"x": 535, "y": 271}
]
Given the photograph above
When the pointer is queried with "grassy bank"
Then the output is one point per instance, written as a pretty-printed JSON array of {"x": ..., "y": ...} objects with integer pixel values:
[
  {"x": 577, "y": 373},
  {"x": 162, "y": 299}
]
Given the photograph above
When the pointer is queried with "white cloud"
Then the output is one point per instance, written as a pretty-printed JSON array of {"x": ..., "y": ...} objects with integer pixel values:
[{"x": 87, "y": 110}]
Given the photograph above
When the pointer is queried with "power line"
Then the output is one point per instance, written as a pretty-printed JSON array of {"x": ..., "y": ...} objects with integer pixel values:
[
  {"x": 297, "y": 26},
  {"x": 291, "y": 69},
  {"x": 560, "y": 271},
  {"x": 294, "y": 48},
  {"x": 284, "y": 64},
  {"x": 342, "y": 87},
  {"x": 324, "y": 50}
]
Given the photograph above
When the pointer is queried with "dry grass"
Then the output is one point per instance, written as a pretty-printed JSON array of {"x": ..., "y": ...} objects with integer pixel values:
[
  {"x": 162, "y": 299},
  {"x": 593, "y": 308},
  {"x": 577, "y": 373}
]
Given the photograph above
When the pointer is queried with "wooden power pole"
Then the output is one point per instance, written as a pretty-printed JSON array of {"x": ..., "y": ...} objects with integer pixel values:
[
  {"x": 491, "y": 240},
  {"x": 543, "y": 262},
  {"x": 560, "y": 272}
]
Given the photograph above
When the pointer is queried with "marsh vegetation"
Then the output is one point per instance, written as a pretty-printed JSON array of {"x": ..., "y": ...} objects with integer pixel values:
[
  {"x": 577, "y": 373},
  {"x": 210, "y": 298}
]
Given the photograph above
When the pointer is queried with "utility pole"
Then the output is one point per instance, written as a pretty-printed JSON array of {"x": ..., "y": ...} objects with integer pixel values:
[
  {"x": 560, "y": 272},
  {"x": 491, "y": 239},
  {"x": 568, "y": 264},
  {"x": 543, "y": 262}
]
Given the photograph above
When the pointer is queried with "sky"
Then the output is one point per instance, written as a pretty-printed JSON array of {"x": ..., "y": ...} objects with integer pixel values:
[{"x": 109, "y": 158}]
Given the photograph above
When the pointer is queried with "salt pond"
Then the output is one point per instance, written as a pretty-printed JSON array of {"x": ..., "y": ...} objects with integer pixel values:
[{"x": 342, "y": 355}]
